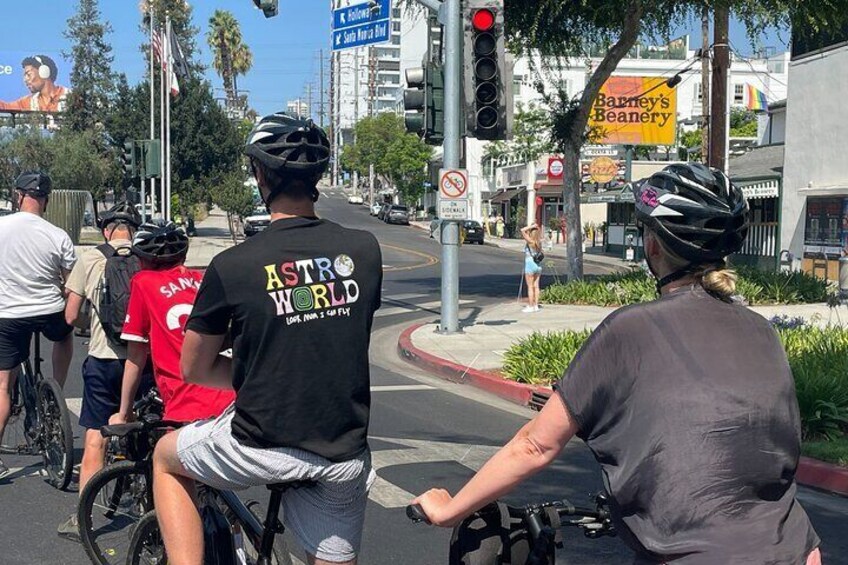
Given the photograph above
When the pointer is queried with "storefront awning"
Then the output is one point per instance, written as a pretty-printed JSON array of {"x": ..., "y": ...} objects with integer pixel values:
[
  {"x": 506, "y": 195},
  {"x": 546, "y": 190}
]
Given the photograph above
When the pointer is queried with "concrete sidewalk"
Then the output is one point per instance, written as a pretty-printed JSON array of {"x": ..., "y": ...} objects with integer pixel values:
[
  {"x": 213, "y": 236},
  {"x": 484, "y": 339}
]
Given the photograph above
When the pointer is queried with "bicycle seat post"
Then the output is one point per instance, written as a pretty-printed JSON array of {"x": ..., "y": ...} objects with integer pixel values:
[{"x": 271, "y": 527}]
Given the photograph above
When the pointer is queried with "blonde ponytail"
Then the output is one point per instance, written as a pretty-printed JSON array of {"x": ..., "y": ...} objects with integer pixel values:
[{"x": 718, "y": 280}]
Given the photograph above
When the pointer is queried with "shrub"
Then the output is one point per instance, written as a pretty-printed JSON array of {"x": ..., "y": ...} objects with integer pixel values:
[
  {"x": 754, "y": 286},
  {"x": 817, "y": 357},
  {"x": 542, "y": 358}
]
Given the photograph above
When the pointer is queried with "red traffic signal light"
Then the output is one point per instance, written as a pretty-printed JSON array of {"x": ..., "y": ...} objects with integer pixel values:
[{"x": 483, "y": 20}]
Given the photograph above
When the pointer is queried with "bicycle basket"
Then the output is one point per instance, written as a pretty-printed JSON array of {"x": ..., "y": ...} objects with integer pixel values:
[{"x": 490, "y": 536}]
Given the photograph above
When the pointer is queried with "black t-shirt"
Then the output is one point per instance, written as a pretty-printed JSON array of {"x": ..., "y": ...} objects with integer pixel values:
[
  {"x": 689, "y": 406},
  {"x": 299, "y": 299}
]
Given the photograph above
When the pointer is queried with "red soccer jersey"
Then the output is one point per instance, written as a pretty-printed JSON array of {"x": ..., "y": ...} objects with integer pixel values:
[{"x": 159, "y": 305}]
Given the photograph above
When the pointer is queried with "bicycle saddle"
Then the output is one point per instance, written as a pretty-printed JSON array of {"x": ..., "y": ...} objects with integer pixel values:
[
  {"x": 121, "y": 430},
  {"x": 282, "y": 487}
]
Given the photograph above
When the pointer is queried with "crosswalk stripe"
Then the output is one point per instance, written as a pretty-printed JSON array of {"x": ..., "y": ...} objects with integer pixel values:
[{"x": 74, "y": 405}]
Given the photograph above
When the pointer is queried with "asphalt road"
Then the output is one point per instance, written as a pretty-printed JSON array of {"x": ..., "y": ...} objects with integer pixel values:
[{"x": 424, "y": 432}]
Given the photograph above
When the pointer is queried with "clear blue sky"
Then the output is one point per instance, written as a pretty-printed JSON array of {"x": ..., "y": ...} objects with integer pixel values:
[{"x": 285, "y": 48}]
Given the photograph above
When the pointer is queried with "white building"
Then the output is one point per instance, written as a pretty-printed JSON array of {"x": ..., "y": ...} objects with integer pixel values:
[
  {"x": 814, "y": 211},
  {"x": 299, "y": 108}
]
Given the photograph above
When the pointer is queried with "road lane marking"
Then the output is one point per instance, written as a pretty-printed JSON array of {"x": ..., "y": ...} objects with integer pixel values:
[{"x": 429, "y": 260}]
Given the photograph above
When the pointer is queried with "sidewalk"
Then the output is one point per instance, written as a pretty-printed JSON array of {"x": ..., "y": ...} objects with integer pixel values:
[
  {"x": 213, "y": 236},
  {"x": 591, "y": 255},
  {"x": 475, "y": 356}
]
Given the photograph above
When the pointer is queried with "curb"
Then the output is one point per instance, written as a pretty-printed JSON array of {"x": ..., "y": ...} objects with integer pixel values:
[
  {"x": 811, "y": 472},
  {"x": 821, "y": 475},
  {"x": 490, "y": 382}
]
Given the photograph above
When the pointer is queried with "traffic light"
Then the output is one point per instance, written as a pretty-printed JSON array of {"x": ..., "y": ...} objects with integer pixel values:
[
  {"x": 488, "y": 76},
  {"x": 151, "y": 163},
  {"x": 424, "y": 102},
  {"x": 268, "y": 7},
  {"x": 128, "y": 157}
]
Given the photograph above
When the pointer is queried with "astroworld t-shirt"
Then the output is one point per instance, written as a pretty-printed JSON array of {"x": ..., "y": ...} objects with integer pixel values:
[{"x": 299, "y": 301}]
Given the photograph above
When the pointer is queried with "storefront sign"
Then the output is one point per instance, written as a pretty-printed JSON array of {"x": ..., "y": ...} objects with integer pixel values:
[
  {"x": 555, "y": 168},
  {"x": 603, "y": 170},
  {"x": 761, "y": 190},
  {"x": 635, "y": 111}
]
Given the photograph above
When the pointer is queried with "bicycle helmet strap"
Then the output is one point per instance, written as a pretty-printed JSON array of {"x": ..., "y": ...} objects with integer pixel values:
[{"x": 675, "y": 276}]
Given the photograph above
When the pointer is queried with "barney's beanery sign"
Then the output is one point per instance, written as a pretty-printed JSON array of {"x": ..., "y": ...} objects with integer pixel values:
[{"x": 635, "y": 111}]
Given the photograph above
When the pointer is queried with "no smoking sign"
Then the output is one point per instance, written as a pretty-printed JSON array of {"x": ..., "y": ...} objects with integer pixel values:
[{"x": 453, "y": 184}]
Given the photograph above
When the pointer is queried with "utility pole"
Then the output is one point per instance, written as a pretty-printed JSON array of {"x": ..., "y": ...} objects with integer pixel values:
[
  {"x": 721, "y": 68},
  {"x": 372, "y": 91},
  {"x": 308, "y": 100},
  {"x": 321, "y": 93},
  {"x": 355, "y": 110},
  {"x": 334, "y": 176},
  {"x": 705, "y": 84}
]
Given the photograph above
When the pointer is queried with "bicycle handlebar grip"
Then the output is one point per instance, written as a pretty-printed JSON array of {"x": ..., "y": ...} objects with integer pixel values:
[{"x": 415, "y": 513}]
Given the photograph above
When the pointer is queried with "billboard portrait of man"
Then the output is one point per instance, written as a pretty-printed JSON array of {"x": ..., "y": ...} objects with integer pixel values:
[{"x": 40, "y": 73}]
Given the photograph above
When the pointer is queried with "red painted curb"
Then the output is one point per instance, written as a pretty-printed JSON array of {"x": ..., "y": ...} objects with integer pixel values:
[
  {"x": 490, "y": 382},
  {"x": 821, "y": 475}
]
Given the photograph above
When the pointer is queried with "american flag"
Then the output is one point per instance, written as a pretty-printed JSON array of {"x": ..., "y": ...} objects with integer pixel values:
[{"x": 157, "y": 47}]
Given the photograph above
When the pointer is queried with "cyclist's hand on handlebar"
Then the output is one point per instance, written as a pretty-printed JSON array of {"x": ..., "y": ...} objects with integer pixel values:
[
  {"x": 118, "y": 418},
  {"x": 435, "y": 503}
]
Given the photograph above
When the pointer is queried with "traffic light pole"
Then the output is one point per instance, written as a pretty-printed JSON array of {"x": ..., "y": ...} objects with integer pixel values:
[{"x": 450, "y": 16}]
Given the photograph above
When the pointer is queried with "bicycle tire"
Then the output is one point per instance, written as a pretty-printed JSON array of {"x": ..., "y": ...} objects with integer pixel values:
[
  {"x": 55, "y": 434},
  {"x": 111, "y": 505},
  {"x": 21, "y": 432},
  {"x": 146, "y": 546}
]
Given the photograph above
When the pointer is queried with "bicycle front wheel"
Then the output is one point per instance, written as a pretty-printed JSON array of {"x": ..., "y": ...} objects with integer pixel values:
[
  {"x": 56, "y": 438},
  {"x": 146, "y": 546},
  {"x": 111, "y": 505}
]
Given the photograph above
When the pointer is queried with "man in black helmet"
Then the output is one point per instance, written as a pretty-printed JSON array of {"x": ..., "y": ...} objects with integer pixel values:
[
  {"x": 35, "y": 260},
  {"x": 298, "y": 302}
]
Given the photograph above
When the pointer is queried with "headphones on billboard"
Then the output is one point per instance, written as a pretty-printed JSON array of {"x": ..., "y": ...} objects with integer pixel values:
[{"x": 43, "y": 70}]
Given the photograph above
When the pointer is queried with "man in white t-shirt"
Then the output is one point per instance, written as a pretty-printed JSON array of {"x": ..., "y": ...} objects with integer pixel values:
[{"x": 36, "y": 258}]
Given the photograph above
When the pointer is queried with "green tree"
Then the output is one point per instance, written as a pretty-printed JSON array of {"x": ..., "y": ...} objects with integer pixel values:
[
  {"x": 233, "y": 197},
  {"x": 28, "y": 148},
  {"x": 231, "y": 56},
  {"x": 560, "y": 30},
  {"x": 92, "y": 81},
  {"x": 743, "y": 123},
  {"x": 398, "y": 157},
  {"x": 82, "y": 166}
]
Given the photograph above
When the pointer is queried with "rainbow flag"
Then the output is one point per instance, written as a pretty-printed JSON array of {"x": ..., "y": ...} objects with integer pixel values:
[{"x": 757, "y": 100}]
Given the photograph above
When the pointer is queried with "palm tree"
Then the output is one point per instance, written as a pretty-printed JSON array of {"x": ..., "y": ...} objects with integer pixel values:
[{"x": 232, "y": 57}]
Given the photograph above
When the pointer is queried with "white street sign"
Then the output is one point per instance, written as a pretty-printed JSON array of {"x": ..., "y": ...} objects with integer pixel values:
[
  {"x": 453, "y": 209},
  {"x": 453, "y": 184}
]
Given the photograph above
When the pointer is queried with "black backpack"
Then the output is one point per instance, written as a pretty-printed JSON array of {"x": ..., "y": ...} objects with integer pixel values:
[
  {"x": 491, "y": 536},
  {"x": 121, "y": 265}
]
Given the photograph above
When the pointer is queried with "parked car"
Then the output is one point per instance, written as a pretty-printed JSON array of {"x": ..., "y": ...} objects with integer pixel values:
[
  {"x": 6, "y": 211},
  {"x": 375, "y": 209},
  {"x": 257, "y": 222},
  {"x": 397, "y": 215},
  {"x": 381, "y": 215},
  {"x": 354, "y": 199},
  {"x": 474, "y": 232}
]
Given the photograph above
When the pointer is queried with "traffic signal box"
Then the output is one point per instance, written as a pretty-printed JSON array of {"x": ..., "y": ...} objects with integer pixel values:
[
  {"x": 487, "y": 76},
  {"x": 141, "y": 158},
  {"x": 424, "y": 102}
]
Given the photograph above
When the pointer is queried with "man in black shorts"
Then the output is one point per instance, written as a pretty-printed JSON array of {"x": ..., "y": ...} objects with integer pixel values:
[
  {"x": 36, "y": 258},
  {"x": 298, "y": 301}
]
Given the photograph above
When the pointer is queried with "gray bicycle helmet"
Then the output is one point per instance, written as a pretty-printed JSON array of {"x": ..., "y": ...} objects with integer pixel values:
[
  {"x": 122, "y": 212},
  {"x": 34, "y": 183},
  {"x": 293, "y": 148},
  {"x": 695, "y": 211},
  {"x": 160, "y": 242}
]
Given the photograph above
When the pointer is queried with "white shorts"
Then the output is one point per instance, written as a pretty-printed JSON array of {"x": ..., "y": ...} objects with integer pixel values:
[{"x": 326, "y": 519}]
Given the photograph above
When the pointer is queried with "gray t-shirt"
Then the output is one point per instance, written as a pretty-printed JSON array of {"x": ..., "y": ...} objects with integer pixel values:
[{"x": 689, "y": 406}]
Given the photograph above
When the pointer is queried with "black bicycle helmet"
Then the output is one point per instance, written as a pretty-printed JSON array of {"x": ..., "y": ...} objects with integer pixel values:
[
  {"x": 122, "y": 212},
  {"x": 695, "y": 211},
  {"x": 160, "y": 242},
  {"x": 291, "y": 147},
  {"x": 34, "y": 183}
]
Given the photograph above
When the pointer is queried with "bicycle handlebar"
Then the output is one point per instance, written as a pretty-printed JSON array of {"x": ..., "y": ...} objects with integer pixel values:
[{"x": 415, "y": 513}]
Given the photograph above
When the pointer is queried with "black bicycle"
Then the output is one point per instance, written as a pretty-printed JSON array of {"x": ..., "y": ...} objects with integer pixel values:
[
  {"x": 117, "y": 518},
  {"x": 531, "y": 531},
  {"x": 39, "y": 423}
]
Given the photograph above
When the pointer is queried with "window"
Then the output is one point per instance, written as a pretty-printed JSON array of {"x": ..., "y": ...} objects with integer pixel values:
[
  {"x": 739, "y": 94},
  {"x": 825, "y": 217},
  {"x": 396, "y": 27},
  {"x": 699, "y": 93},
  {"x": 516, "y": 85},
  {"x": 395, "y": 40}
]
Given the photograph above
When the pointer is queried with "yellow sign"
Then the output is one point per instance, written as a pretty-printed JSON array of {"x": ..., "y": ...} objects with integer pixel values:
[
  {"x": 635, "y": 111},
  {"x": 603, "y": 170}
]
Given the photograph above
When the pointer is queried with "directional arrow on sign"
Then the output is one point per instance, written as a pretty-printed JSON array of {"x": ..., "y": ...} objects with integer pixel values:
[{"x": 343, "y": 18}]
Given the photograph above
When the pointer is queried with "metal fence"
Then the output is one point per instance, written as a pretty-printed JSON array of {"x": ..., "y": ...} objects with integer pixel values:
[{"x": 70, "y": 210}]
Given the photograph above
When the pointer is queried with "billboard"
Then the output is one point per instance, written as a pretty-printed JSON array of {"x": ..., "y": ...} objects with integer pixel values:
[
  {"x": 635, "y": 111},
  {"x": 33, "y": 81}
]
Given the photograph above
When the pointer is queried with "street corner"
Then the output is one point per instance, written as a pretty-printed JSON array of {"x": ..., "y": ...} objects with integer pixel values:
[
  {"x": 421, "y": 346},
  {"x": 823, "y": 476}
]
